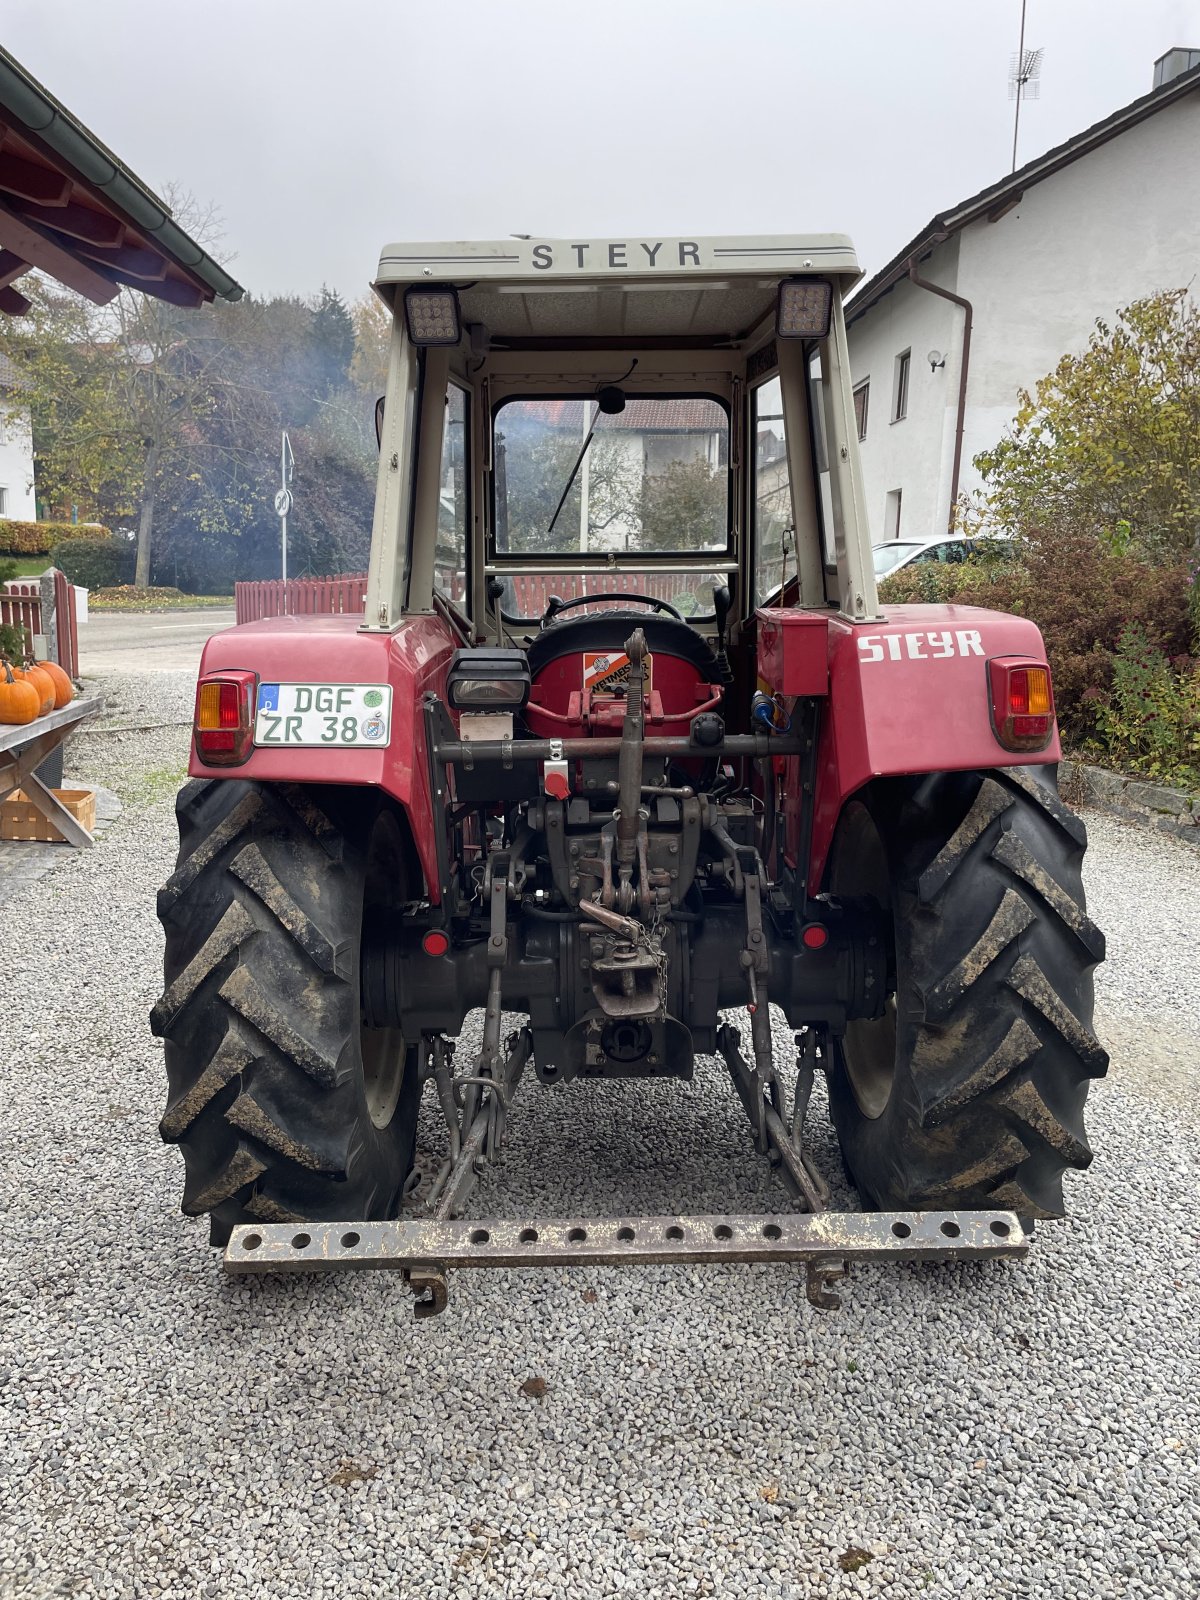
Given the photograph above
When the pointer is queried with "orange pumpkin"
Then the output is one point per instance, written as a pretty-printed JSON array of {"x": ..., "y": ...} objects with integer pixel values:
[
  {"x": 43, "y": 683},
  {"x": 64, "y": 689},
  {"x": 18, "y": 699}
]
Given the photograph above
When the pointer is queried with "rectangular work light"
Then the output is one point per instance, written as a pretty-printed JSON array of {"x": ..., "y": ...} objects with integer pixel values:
[
  {"x": 432, "y": 316},
  {"x": 488, "y": 678},
  {"x": 804, "y": 308}
]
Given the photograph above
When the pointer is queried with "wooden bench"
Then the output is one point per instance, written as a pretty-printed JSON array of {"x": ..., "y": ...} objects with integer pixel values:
[{"x": 22, "y": 751}]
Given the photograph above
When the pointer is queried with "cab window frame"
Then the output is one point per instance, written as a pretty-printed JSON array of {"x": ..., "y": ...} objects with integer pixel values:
[{"x": 463, "y": 483}]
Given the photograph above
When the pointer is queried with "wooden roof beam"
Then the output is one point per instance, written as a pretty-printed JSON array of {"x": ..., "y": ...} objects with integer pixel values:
[
  {"x": 29, "y": 180},
  {"x": 39, "y": 250},
  {"x": 144, "y": 265},
  {"x": 12, "y": 267},
  {"x": 79, "y": 222},
  {"x": 174, "y": 290},
  {"x": 13, "y": 303}
]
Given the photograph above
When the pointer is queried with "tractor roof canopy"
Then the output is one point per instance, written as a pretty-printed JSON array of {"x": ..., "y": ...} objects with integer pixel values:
[{"x": 691, "y": 291}]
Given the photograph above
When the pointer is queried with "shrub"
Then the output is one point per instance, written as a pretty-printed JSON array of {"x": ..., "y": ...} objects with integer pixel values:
[
  {"x": 96, "y": 563},
  {"x": 12, "y": 638},
  {"x": 39, "y": 538},
  {"x": 1112, "y": 435},
  {"x": 1082, "y": 594},
  {"x": 1151, "y": 722}
]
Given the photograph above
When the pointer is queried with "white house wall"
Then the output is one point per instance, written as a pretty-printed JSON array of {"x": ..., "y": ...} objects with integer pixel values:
[
  {"x": 1118, "y": 223},
  {"x": 16, "y": 464},
  {"x": 915, "y": 453}
]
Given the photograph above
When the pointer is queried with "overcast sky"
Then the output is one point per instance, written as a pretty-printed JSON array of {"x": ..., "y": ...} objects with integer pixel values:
[{"x": 324, "y": 128}]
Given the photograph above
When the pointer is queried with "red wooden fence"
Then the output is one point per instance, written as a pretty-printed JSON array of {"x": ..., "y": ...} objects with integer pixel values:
[
  {"x": 300, "y": 597},
  {"x": 21, "y": 606},
  {"x": 67, "y": 625},
  {"x": 530, "y": 591}
]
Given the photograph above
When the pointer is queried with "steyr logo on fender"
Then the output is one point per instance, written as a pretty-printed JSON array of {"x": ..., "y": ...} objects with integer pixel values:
[{"x": 937, "y": 645}]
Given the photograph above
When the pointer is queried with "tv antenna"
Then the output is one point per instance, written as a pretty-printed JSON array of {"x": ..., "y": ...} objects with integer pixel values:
[{"x": 1024, "y": 74}]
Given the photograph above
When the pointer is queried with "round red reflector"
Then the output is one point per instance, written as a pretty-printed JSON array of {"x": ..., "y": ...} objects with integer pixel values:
[
  {"x": 435, "y": 943},
  {"x": 815, "y": 937}
]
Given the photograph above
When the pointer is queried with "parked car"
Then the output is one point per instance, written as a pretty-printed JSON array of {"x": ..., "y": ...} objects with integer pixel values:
[{"x": 897, "y": 553}]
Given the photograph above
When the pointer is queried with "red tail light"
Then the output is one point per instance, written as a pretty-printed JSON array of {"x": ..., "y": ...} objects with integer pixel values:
[
  {"x": 1022, "y": 703},
  {"x": 225, "y": 718}
]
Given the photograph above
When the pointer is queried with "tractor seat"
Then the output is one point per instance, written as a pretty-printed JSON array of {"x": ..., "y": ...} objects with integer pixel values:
[{"x": 609, "y": 629}]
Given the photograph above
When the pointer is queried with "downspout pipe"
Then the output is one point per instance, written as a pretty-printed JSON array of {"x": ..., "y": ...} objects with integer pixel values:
[{"x": 964, "y": 368}]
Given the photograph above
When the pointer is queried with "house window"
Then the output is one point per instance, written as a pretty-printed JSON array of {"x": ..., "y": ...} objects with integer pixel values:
[
  {"x": 900, "y": 394},
  {"x": 891, "y": 514},
  {"x": 862, "y": 397},
  {"x": 3, "y": 501}
]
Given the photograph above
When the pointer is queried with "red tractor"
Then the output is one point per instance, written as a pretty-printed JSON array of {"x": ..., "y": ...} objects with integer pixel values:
[{"x": 623, "y": 743}]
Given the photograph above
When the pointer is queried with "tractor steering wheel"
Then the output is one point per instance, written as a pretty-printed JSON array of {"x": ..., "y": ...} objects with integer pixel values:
[{"x": 553, "y": 612}]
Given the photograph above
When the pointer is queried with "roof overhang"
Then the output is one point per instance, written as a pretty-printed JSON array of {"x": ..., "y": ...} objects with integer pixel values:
[
  {"x": 1000, "y": 198},
  {"x": 69, "y": 207}
]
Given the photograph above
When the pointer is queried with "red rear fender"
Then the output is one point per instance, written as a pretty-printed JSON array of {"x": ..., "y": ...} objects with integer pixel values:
[
  {"x": 330, "y": 649},
  {"x": 909, "y": 694}
]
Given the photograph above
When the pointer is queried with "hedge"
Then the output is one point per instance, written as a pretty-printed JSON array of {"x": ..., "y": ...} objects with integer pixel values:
[
  {"x": 39, "y": 538},
  {"x": 96, "y": 563},
  {"x": 1082, "y": 594}
]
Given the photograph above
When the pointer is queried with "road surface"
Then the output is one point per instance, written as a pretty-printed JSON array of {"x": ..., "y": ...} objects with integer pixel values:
[{"x": 152, "y": 641}]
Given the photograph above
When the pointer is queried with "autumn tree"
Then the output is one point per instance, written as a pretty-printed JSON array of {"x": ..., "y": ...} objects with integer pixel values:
[
  {"x": 1110, "y": 440},
  {"x": 113, "y": 391},
  {"x": 372, "y": 335},
  {"x": 170, "y": 420},
  {"x": 685, "y": 506},
  {"x": 534, "y": 465},
  {"x": 277, "y": 371}
]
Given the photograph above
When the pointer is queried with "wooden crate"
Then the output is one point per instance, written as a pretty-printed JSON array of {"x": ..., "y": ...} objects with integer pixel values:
[{"x": 21, "y": 820}]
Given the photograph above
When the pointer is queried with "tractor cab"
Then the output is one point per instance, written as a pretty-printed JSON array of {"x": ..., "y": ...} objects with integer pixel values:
[{"x": 617, "y": 427}]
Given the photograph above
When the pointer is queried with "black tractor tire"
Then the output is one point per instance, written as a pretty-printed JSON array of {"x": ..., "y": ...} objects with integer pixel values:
[
  {"x": 285, "y": 1106},
  {"x": 969, "y": 1091}
]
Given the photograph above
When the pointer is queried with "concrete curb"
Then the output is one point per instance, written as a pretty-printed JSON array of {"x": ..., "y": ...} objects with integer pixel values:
[{"x": 1150, "y": 805}]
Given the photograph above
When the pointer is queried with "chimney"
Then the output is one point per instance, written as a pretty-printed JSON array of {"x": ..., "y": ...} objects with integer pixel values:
[{"x": 1174, "y": 64}]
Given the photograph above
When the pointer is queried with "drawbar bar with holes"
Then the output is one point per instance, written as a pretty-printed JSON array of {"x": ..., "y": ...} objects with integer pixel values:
[{"x": 616, "y": 1241}]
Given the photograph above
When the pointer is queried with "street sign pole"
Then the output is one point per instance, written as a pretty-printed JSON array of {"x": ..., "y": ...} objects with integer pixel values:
[{"x": 283, "y": 499}]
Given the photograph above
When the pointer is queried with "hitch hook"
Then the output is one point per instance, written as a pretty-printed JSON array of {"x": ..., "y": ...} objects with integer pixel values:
[
  {"x": 428, "y": 1284},
  {"x": 820, "y": 1273}
]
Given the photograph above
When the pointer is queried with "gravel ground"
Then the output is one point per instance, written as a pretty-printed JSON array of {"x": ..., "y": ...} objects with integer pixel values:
[{"x": 1024, "y": 1429}]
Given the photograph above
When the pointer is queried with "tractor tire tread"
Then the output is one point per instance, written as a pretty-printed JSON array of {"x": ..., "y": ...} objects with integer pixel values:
[
  {"x": 995, "y": 1014},
  {"x": 260, "y": 1013}
]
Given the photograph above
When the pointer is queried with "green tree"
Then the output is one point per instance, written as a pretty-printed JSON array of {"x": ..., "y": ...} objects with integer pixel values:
[
  {"x": 115, "y": 392},
  {"x": 372, "y": 335},
  {"x": 534, "y": 467},
  {"x": 685, "y": 506},
  {"x": 334, "y": 338},
  {"x": 1111, "y": 436},
  {"x": 168, "y": 421},
  {"x": 274, "y": 374}
]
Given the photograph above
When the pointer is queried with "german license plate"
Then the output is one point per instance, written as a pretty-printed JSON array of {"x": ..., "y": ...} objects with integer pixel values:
[{"x": 356, "y": 714}]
